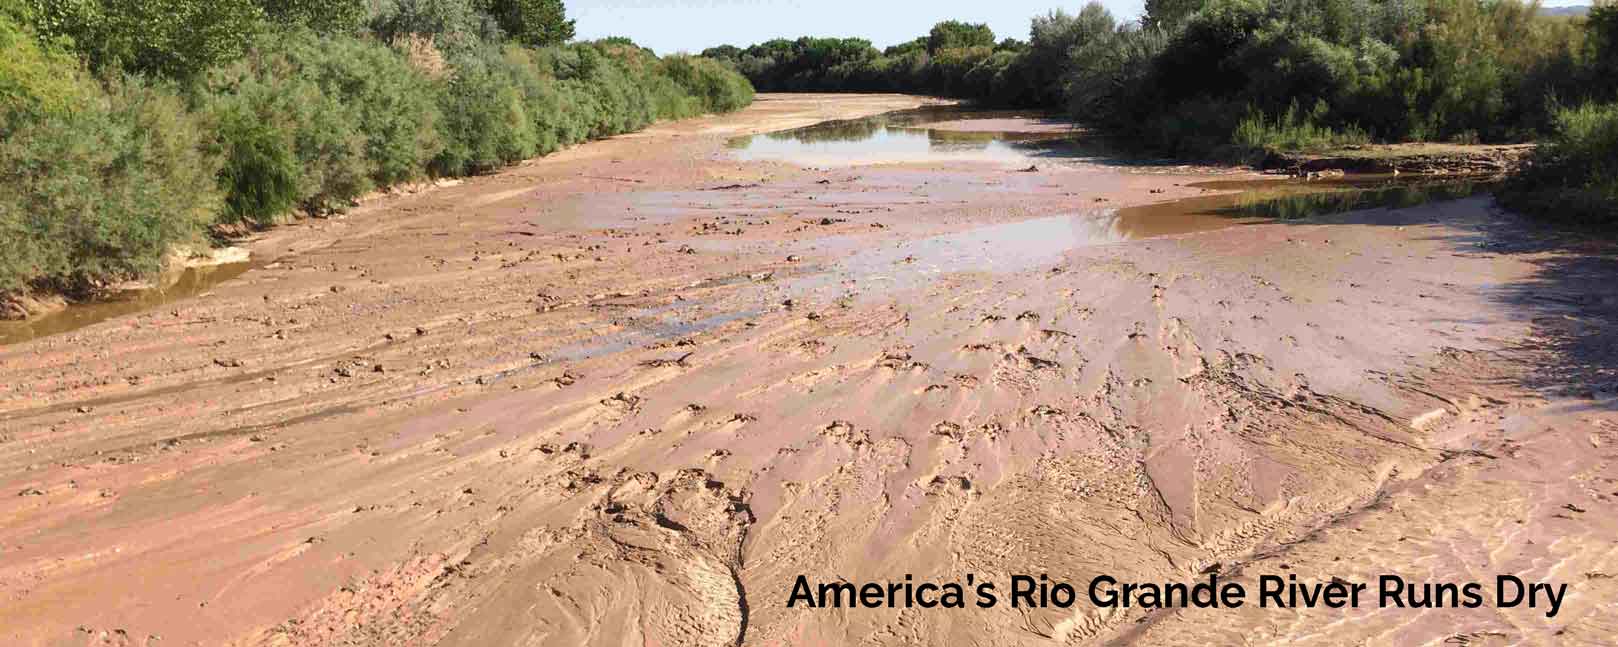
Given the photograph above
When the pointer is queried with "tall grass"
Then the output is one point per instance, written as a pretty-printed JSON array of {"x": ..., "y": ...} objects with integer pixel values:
[{"x": 1295, "y": 130}]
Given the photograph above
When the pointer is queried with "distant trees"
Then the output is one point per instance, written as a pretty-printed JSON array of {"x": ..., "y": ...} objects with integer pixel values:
[
  {"x": 1170, "y": 14},
  {"x": 535, "y": 23},
  {"x": 1053, "y": 38},
  {"x": 954, "y": 34},
  {"x": 1191, "y": 73}
]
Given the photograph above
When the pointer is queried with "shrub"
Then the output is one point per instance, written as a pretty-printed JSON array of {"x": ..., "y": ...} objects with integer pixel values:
[
  {"x": 340, "y": 115},
  {"x": 102, "y": 191},
  {"x": 35, "y": 79},
  {"x": 173, "y": 38},
  {"x": 485, "y": 124},
  {"x": 1294, "y": 130},
  {"x": 716, "y": 88},
  {"x": 260, "y": 174},
  {"x": 1574, "y": 176}
]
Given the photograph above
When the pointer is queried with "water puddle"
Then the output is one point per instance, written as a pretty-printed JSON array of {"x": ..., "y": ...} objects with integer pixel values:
[
  {"x": 192, "y": 282},
  {"x": 1027, "y": 244},
  {"x": 923, "y": 135}
]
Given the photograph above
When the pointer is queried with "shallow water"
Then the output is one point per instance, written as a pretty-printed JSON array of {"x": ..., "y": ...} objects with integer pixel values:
[
  {"x": 1027, "y": 244},
  {"x": 904, "y": 136},
  {"x": 192, "y": 282}
]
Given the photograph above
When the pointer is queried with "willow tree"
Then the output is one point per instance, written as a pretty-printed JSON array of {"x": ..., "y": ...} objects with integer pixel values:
[{"x": 535, "y": 23}]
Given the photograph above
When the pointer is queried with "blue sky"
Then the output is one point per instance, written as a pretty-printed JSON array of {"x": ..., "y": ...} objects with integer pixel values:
[{"x": 693, "y": 25}]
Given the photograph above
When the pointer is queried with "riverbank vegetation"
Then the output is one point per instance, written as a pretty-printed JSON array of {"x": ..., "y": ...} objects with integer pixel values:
[
  {"x": 1242, "y": 79},
  {"x": 128, "y": 128}
]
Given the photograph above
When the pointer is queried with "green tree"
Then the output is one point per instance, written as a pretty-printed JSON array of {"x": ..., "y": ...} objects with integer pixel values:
[
  {"x": 535, "y": 23},
  {"x": 322, "y": 16},
  {"x": 1170, "y": 14},
  {"x": 173, "y": 38},
  {"x": 954, "y": 34}
]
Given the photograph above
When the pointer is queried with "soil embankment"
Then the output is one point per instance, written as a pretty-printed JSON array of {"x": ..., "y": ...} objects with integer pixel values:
[
  {"x": 628, "y": 393},
  {"x": 1425, "y": 159}
]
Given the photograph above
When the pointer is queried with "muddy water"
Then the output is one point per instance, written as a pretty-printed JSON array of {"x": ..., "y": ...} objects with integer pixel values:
[
  {"x": 906, "y": 136},
  {"x": 192, "y": 282},
  {"x": 1028, "y": 244}
]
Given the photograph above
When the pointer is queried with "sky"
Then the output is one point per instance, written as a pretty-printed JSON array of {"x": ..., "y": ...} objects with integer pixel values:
[{"x": 669, "y": 26}]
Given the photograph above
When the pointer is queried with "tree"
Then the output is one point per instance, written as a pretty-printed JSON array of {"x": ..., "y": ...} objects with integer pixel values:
[
  {"x": 322, "y": 16},
  {"x": 1170, "y": 14},
  {"x": 1053, "y": 37},
  {"x": 173, "y": 38},
  {"x": 535, "y": 23},
  {"x": 955, "y": 34}
]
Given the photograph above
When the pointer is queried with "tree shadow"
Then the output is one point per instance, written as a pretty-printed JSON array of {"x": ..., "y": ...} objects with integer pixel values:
[{"x": 1569, "y": 299}]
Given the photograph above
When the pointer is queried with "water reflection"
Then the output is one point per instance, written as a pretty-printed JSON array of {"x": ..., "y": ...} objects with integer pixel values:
[
  {"x": 191, "y": 282},
  {"x": 1292, "y": 200},
  {"x": 903, "y": 136},
  {"x": 1033, "y": 243}
]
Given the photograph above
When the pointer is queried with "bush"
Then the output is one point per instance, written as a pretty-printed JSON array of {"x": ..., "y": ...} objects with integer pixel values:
[
  {"x": 1295, "y": 130},
  {"x": 260, "y": 174},
  {"x": 339, "y": 115},
  {"x": 102, "y": 191},
  {"x": 716, "y": 88},
  {"x": 486, "y": 124},
  {"x": 98, "y": 181},
  {"x": 1574, "y": 176},
  {"x": 35, "y": 80},
  {"x": 172, "y": 38}
]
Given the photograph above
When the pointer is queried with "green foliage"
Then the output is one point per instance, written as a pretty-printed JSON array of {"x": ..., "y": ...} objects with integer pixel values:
[
  {"x": 320, "y": 16},
  {"x": 451, "y": 24},
  {"x": 283, "y": 108},
  {"x": 339, "y": 115},
  {"x": 35, "y": 79},
  {"x": 1193, "y": 72},
  {"x": 486, "y": 124},
  {"x": 1294, "y": 130},
  {"x": 260, "y": 174},
  {"x": 535, "y": 23},
  {"x": 1574, "y": 177},
  {"x": 102, "y": 191},
  {"x": 714, "y": 86},
  {"x": 954, "y": 34},
  {"x": 1052, "y": 40},
  {"x": 173, "y": 38},
  {"x": 1170, "y": 14}
]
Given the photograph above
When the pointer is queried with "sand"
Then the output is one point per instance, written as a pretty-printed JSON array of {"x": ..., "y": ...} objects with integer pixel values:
[{"x": 627, "y": 394}]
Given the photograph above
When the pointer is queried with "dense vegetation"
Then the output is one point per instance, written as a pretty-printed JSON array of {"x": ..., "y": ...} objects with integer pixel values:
[
  {"x": 1237, "y": 79},
  {"x": 130, "y": 127}
]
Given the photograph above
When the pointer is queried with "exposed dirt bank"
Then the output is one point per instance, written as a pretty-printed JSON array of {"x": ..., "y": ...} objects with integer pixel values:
[
  {"x": 628, "y": 393},
  {"x": 1429, "y": 159}
]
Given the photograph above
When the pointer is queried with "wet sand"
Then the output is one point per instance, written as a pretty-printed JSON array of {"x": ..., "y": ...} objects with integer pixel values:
[{"x": 628, "y": 393}]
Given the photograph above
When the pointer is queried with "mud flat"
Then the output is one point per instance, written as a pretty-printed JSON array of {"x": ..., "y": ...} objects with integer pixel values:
[{"x": 630, "y": 393}]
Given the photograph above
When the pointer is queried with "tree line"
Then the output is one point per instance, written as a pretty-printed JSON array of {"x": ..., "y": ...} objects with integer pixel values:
[
  {"x": 1237, "y": 79},
  {"x": 128, "y": 127}
]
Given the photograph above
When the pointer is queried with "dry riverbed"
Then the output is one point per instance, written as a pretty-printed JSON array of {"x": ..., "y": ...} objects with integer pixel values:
[{"x": 628, "y": 393}]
